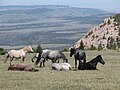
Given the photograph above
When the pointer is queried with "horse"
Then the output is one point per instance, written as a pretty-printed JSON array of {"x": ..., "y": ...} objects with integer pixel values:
[
  {"x": 35, "y": 57},
  {"x": 61, "y": 66},
  {"x": 91, "y": 65},
  {"x": 53, "y": 55},
  {"x": 78, "y": 55},
  {"x": 19, "y": 54},
  {"x": 20, "y": 67}
]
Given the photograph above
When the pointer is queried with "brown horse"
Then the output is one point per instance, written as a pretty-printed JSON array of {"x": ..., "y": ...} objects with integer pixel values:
[
  {"x": 20, "y": 67},
  {"x": 19, "y": 54}
]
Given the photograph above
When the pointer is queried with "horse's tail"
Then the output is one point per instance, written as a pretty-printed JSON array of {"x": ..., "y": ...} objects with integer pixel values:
[
  {"x": 38, "y": 59},
  {"x": 84, "y": 58}
]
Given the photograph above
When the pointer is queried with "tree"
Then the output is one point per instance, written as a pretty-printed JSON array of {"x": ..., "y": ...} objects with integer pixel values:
[
  {"x": 92, "y": 47},
  {"x": 100, "y": 47},
  {"x": 81, "y": 45},
  {"x": 39, "y": 49}
]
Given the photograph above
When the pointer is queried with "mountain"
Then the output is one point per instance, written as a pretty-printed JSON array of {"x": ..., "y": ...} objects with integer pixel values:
[
  {"x": 46, "y": 24},
  {"x": 105, "y": 36}
]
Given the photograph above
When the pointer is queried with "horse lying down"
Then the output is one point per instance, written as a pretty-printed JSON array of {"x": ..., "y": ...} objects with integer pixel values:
[
  {"x": 61, "y": 66},
  {"x": 91, "y": 65},
  {"x": 20, "y": 67}
]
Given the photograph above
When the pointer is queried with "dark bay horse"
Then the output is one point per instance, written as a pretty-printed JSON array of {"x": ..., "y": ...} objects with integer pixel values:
[
  {"x": 91, "y": 65},
  {"x": 78, "y": 55},
  {"x": 53, "y": 55}
]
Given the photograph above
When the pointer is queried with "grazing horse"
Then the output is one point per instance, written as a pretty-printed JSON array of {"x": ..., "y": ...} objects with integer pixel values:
[
  {"x": 78, "y": 55},
  {"x": 91, "y": 65},
  {"x": 19, "y": 53},
  {"x": 53, "y": 55},
  {"x": 35, "y": 57},
  {"x": 61, "y": 66}
]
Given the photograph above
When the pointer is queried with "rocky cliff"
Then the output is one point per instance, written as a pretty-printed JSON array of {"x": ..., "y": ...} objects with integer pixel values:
[{"x": 105, "y": 36}]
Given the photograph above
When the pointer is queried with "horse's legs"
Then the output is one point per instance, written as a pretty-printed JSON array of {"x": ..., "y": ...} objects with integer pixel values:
[
  {"x": 75, "y": 63},
  {"x": 58, "y": 61},
  {"x": 11, "y": 61},
  {"x": 43, "y": 63},
  {"x": 22, "y": 59},
  {"x": 6, "y": 58},
  {"x": 40, "y": 64}
]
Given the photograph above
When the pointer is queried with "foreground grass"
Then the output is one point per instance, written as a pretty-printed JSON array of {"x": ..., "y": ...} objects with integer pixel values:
[{"x": 106, "y": 78}]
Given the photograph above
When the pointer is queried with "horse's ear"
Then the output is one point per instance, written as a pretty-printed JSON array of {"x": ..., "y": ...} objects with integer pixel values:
[{"x": 70, "y": 48}]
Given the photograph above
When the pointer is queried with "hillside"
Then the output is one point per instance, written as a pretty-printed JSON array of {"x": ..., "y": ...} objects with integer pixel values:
[
  {"x": 46, "y": 24},
  {"x": 105, "y": 36}
]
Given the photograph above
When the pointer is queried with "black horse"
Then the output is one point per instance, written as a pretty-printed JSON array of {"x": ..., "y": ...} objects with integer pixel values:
[
  {"x": 78, "y": 55},
  {"x": 91, "y": 65}
]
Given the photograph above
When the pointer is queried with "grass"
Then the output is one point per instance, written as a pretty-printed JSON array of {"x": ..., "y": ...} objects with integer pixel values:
[{"x": 107, "y": 78}]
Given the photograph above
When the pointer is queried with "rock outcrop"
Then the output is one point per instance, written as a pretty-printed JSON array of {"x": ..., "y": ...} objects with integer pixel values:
[{"x": 106, "y": 35}]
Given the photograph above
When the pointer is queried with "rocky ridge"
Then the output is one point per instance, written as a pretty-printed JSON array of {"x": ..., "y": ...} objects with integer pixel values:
[{"x": 106, "y": 35}]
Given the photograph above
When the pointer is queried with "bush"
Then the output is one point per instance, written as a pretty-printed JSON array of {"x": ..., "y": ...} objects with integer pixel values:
[
  {"x": 2, "y": 51},
  {"x": 38, "y": 49},
  {"x": 65, "y": 50},
  {"x": 81, "y": 45}
]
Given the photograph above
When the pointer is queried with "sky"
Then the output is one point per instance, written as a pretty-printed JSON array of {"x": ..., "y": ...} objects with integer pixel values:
[{"x": 108, "y": 5}]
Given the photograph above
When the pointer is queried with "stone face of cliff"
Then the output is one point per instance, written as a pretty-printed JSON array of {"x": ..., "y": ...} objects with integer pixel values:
[{"x": 106, "y": 34}]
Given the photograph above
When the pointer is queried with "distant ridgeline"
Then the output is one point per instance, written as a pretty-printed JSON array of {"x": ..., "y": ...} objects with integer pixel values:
[{"x": 104, "y": 36}]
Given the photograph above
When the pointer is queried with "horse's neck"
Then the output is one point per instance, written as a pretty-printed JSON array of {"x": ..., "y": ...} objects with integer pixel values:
[
  {"x": 93, "y": 62},
  {"x": 25, "y": 51}
]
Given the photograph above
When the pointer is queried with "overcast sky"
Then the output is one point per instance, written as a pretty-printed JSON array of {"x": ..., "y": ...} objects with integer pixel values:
[{"x": 108, "y": 5}]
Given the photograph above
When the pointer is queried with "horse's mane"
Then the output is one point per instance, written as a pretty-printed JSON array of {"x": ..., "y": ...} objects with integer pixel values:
[
  {"x": 94, "y": 59},
  {"x": 27, "y": 48}
]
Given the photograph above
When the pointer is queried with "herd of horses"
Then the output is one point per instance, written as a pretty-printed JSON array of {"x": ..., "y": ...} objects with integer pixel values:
[{"x": 54, "y": 56}]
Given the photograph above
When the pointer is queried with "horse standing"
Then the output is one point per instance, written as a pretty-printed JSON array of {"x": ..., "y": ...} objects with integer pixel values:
[
  {"x": 53, "y": 55},
  {"x": 19, "y": 54},
  {"x": 78, "y": 55},
  {"x": 91, "y": 65}
]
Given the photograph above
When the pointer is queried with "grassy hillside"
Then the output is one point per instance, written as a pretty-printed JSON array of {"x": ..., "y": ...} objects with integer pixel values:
[
  {"x": 23, "y": 25},
  {"x": 107, "y": 78}
]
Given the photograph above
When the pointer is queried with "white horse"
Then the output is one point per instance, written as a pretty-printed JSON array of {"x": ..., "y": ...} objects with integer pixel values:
[
  {"x": 61, "y": 66},
  {"x": 19, "y": 54}
]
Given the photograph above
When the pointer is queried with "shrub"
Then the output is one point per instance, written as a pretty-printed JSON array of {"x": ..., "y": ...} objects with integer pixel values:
[
  {"x": 38, "y": 49},
  {"x": 2, "y": 51},
  {"x": 81, "y": 45},
  {"x": 65, "y": 50},
  {"x": 92, "y": 47},
  {"x": 100, "y": 47}
]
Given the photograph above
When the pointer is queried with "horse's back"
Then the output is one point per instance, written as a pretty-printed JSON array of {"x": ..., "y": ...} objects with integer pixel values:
[
  {"x": 61, "y": 66},
  {"x": 16, "y": 53}
]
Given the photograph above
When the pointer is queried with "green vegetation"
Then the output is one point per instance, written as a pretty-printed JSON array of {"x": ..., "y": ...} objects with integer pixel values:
[
  {"x": 81, "y": 45},
  {"x": 100, "y": 47},
  {"x": 38, "y": 49},
  {"x": 65, "y": 50},
  {"x": 92, "y": 47},
  {"x": 106, "y": 78},
  {"x": 2, "y": 51},
  {"x": 117, "y": 18}
]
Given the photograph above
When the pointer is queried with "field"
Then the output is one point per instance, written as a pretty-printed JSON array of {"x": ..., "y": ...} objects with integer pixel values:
[{"x": 106, "y": 78}]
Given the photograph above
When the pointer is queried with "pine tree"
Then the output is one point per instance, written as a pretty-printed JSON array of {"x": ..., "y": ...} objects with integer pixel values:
[
  {"x": 39, "y": 49},
  {"x": 81, "y": 45},
  {"x": 100, "y": 47}
]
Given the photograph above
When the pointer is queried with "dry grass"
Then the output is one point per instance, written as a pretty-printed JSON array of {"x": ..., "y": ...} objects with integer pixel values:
[{"x": 107, "y": 78}]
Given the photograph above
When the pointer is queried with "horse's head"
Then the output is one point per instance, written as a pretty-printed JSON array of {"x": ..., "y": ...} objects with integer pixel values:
[
  {"x": 28, "y": 49},
  {"x": 72, "y": 51},
  {"x": 101, "y": 59},
  {"x": 35, "y": 57}
]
